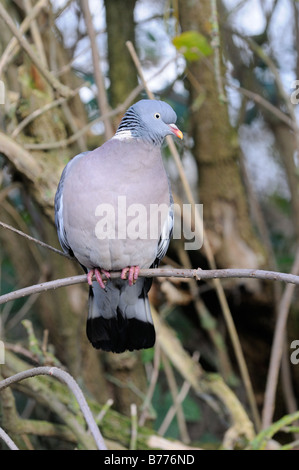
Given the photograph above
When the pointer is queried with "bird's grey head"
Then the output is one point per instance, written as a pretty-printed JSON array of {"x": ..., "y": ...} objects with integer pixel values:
[{"x": 151, "y": 120}]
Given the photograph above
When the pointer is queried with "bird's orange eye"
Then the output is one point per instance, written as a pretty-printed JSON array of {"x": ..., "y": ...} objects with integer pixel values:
[{"x": 157, "y": 115}]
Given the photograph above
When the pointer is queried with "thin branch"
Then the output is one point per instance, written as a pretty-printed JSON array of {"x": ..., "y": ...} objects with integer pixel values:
[
  {"x": 104, "y": 410},
  {"x": 63, "y": 90},
  {"x": 38, "y": 112},
  {"x": 134, "y": 427},
  {"x": 177, "y": 398},
  {"x": 119, "y": 109},
  {"x": 13, "y": 43},
  {"x": 99, "y": 79},
  {"x": 197, "y": 274},
  {"x": 152, "y": 385},
  {"x": 260, "y": 100},
  {"x": 36, "y": 36},
  {"x": 8, "y": 441},
  {"x": 174, "y": 409},
  {"x": 277, "y": 349},
  {"x": 66, "y": 378},
  {"x": 70, "y": 140},
  {"x": 65, "y": 68},
  {"x": 258, "y": 50},
  {"x": 35, "y": 240}
]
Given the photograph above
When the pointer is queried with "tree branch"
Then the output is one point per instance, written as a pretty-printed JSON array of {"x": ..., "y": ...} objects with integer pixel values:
[
  {"x": 8, "y": 441},
  {"x": 119, "y": 109},
  {"x": 11, "y": 47},
  {"x": 99, "y": 79},
  {"x": 197, "y": 274},
  {"x": 47, "y": 107},
  {"x": 277, "y": 350},
  {"x": 35, "y": 240},
  {"x": 74, "y": 388},
  {"x": 63, "y": 90}
]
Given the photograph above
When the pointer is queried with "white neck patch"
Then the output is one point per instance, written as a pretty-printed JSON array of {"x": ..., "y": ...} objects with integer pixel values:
[{"x": 123, "y": 135}]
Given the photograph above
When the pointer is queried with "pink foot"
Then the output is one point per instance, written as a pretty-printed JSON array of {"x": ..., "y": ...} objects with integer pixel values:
[
  {"x": 98, "y": 274},
  {"x": 133, "y": 274},
  {"x": 89, "y": 276}
]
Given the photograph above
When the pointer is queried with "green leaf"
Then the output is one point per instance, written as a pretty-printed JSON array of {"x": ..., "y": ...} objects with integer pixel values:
[{"x": 192, "y": 45}]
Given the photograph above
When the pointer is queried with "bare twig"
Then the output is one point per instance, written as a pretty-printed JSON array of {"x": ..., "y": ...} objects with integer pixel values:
[
  {"x": 35, "y": 240},
  {"x": 13, "y": 43},
  {"x": 35, "y": 33},
  {"x": 176, "y": 408},
  {"x": 152, "y": 385},
  {"x": 258, "y": 50},
  {"x": 99, "y": 79},
  {"x": 70, "y": 140},
  {"x": 277, "y": 349},
  {"x": 63, "y": 376},
  {"x": 63, "y": 90},
  {"x": 38, "y": 112},
  {"x": 198, "y": 274},
  {"x": 8, "y": 441},
  {"x": 134, "y": 426},
  {"x": 104, "y": 410},
  {"x": 260, "y": 100},
  {"x": 119, "y": 109}
]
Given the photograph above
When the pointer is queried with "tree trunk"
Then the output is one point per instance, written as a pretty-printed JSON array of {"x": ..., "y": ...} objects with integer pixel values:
[{"x": 120, "y": 28}]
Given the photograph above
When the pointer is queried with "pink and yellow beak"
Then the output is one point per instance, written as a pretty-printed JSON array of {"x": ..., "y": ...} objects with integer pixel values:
[{"x": 176, "y": 131}]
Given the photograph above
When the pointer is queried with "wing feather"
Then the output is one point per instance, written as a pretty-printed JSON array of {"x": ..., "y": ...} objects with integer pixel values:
[{"x": 58, "y": 206}]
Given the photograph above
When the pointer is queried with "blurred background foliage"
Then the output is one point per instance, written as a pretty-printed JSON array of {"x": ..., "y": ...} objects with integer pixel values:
[{"x": 228, "y": 69}]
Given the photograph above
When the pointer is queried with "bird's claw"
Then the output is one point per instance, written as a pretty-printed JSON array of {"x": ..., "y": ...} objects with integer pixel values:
[
  {"x": 98, "y": 274},
  {"x": 131, "y": 273}
]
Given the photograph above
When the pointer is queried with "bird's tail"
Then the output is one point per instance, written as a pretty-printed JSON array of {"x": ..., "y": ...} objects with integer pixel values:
[{"x": 119, "y": 317}]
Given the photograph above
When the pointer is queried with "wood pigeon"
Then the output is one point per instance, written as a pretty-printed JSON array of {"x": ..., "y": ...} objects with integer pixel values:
[{"x": 113, "y": 212}]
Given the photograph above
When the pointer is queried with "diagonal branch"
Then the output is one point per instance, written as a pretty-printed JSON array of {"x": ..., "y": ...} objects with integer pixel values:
[
  {"x": 13, "y": 43},
  {"x": 99, "y": 79},
  {"x": 8, "y": 441},
  {"x": 35, "y": 240},
  {"x": 65, "y": 377},
  {"x": 63, "y": 90},
  {"x": 277, "y": 349}
]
